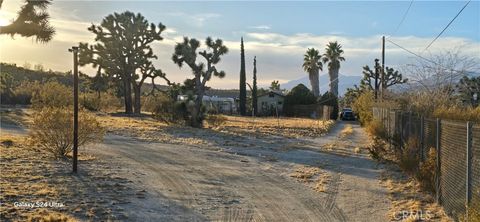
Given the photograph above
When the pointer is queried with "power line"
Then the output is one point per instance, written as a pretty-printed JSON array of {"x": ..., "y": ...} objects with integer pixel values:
[
  {"x": 447, "y": 26},
  {"x": 428, "y": 60},
  {"x": 415, "y": 54},
  {"x": 404, "y": 16}
]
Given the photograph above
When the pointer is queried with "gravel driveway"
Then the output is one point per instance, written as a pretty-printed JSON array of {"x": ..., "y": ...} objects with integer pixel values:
[{"x": 200, "y": 183}]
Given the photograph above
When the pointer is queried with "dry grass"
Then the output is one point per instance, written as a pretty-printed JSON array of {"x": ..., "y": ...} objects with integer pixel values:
[
  {"x": 322, "y": 182},
  {"x": 29, "y": 174},
  {"x": 313, "y": 177},
  {"x": 407, "y": 195},
  {"x": 234, "y": 131},
  {"x": 347, "y": 131},
  {"x": 305, "y": 173},
  {"x": 458, "y": 113},
  {"x": 285, "y": 127}
]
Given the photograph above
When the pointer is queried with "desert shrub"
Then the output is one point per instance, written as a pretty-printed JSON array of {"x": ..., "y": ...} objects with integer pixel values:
[
  {"x": 408, "y": 158},
  {"x": 215, "y": 120},
  {"x": 376, "y": 149},
  {"x": 52, "y": 129},
  {"x": 52, "y": 94},
  {"x": 472, "y": 214},
  {"x": 169, "y": 111},
  {"x": 458, "y": 113},
  {"x": 104, "y": 102},
  {"x": 376, "y": 128},
  {"x": 363, "y": 107},
  {"x": 426, "y": 173},
  {"x": 150, "y": 102}
]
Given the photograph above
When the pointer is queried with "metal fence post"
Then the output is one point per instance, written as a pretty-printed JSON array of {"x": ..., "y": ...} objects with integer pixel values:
[
  {"x": 422, "y": 139},
  {"x": 469, "y": 164},
  {"x": 401, "y": 130},
  {"x": 409, "y": 125},
  {"x": 437, "y": 170}
]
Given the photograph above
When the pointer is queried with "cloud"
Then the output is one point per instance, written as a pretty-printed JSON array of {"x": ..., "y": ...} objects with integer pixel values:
[
  {"x": 200, "y": 19},
  {"x": 261, "y": 27},
  {"x": 195, "y": 19},
  {"x": 279, "y": 56}
]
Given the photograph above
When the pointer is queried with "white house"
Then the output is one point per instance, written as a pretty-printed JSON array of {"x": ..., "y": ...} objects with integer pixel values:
[
  {"x": 270, "y": 103},
  {"x": 219, "y": 104}
]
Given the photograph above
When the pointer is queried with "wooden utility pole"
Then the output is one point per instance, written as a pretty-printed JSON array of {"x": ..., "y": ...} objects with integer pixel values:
[
  {"x": 74, "y": 49},
  {"x": 382, "y": 79}
]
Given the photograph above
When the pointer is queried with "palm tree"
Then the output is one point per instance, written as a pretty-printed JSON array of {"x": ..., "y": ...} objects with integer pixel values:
[
  {"x": 333, "y": 55},
  {"x": 312, "y": 64}
]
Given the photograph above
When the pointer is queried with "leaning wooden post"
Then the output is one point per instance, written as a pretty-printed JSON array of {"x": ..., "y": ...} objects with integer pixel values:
[{"x": 74, "y": 49}]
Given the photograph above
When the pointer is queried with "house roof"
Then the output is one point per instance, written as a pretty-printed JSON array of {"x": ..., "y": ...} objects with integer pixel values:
[{"x": 278, "y": 93}]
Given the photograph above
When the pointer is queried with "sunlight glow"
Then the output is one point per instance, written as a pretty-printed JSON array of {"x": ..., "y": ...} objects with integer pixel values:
[{"x": 4, "y": 22}]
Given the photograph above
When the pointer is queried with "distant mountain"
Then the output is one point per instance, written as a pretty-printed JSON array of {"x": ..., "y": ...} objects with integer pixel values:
[{"x": 344, "y": 83}]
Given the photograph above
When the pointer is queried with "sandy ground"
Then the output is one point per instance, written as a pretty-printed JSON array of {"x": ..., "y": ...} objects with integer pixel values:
[
  {"x": 231, "y": 175},
  {"x": 229, "y": 183}
]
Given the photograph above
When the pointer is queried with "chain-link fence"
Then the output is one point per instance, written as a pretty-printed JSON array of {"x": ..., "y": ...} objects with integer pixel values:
[{"x": 457, "y": 174}]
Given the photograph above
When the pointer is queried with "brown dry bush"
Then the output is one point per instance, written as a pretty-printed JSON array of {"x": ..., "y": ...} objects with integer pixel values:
[
  {"x": 375, "y": 128},
  {"x": 377, "y": 149},
  {"x": 100, "y": 102},
  {"x": 215, "y": 120},
  {"x": 426, "y": 173},
  {"x": 52, "y": 129},
  {"x": 363, "y": 107},
  {"x": 168, "y": 111},
  {"x": 408, "y": 158},
  {"x": 473, "y": 213},
  {"x": 457, "y": 113},
  {"x": 52, "y": 94}
]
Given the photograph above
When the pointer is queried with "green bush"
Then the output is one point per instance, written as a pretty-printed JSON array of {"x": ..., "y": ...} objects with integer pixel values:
[
  {"x": 52, "y": 129},
  {"x": 299, "y": 95}
]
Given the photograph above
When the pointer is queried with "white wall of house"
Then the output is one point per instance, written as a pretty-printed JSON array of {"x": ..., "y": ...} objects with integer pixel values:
[
  {"x": 220, "y": 104},
  {"x": 269, "y": 103}
]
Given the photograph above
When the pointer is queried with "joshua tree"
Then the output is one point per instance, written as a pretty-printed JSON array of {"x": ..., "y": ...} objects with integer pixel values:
[
  {"x": 123, "y": 52},
  {"x": 371, "y": 79},
  {"x": 186, "y": 53},
  {"x": 32, "y": 20},
  {"x": 274, "y": 85},
  {"x": 243, "y": 79},
  {"x": 469, "y": 90},
  {"x": 333, "y": 55},
  {"x": 254, "y": 88},
  {"x": 312, "y": 64}
]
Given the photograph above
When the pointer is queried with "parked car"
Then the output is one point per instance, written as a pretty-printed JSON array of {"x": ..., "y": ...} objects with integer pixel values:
[{"x": 347, "y": 114}]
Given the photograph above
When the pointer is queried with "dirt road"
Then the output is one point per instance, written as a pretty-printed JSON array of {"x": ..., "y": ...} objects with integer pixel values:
[{"x": 199, "y": 183}]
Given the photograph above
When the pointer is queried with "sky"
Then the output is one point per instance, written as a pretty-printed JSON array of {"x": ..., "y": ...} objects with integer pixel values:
[{"x": 277, "y": 33}]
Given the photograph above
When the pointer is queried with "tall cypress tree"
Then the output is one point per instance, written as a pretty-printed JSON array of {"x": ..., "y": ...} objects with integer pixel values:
[
  {"x": 254, "y": 88},
  {"x": 243, "y": 79}
]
